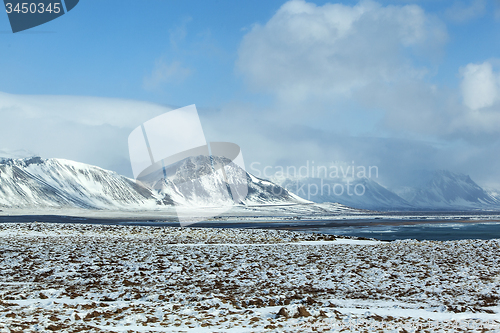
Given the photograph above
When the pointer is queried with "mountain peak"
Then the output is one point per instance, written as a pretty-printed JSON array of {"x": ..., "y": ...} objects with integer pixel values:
[
  {"x": 451, "y": 175},
  {"x": 58, "y": 183},
  {"x": 449, "y": 190}
]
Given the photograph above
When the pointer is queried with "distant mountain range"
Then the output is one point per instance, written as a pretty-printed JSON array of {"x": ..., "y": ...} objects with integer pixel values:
[
  {"x": 361, "y": 193},
  {"x": 445, "y": 189},
  {"x": 438, "y": 190},
  {"x": 35, "y": 182}
]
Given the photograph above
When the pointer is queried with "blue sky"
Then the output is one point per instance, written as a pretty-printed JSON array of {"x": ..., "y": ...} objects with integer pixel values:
[
  {"x": 106, "y": 48},
  {"x": 405, "y": 85}
]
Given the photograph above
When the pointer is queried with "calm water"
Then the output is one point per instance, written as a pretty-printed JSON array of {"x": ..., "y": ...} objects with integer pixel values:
[
  {"x": 442, "y": 232},
  {"x": 383, "y": 229}
]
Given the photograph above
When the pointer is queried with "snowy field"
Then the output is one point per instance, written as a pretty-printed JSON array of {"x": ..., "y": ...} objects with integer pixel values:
[
  {"x": 93, "y": 278},
  {"x": 260, "y": 213}
]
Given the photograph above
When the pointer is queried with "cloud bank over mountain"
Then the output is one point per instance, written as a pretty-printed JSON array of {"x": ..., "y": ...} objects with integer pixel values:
[
  {"x": 92, "y": 130},
  {"x": 358, "y": 82},
  {"x": 396, "y": 85}
]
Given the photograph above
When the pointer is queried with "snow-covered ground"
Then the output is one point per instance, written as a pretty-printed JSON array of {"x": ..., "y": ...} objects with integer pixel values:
[
  {"x": 90, "y": 278},
  {"x": 261, "y": 213}
]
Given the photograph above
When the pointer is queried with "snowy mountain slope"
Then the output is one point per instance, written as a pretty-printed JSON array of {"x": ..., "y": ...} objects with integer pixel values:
[
  {"x": 57, "y": 183},
  {"x": 448, "y": 190},
  {"x": 493, "y": 193},
  {"x": 360, "y": 193},
  {"x": 192, "y": 181},
  {"x": 439, "y": 190},
  {"x": 35, "y": 182}
]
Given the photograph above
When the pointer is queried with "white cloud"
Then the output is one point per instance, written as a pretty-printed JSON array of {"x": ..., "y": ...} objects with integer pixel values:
[
  {"x": 323, "y": 64},
  {"x": 479, "y": 85},
  {"x": 164, "y": 72},
  {"x": 92, "y": 130},
  {"x": 461, "y": 12},
  {"x": 336, "y": 58},
  {"x": 179, "y": 32},
  {"x": 85, "y": 110},
  {"x": 307, "y": 51}
]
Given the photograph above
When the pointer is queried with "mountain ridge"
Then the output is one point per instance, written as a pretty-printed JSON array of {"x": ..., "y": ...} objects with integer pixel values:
[
  {"x": 33, "y": 182},
  {"x": 443, "y": 190},
  {"x": 59, "y": 183}
]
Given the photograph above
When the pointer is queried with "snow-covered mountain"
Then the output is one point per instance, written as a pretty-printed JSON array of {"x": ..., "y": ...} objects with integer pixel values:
[
  {"x": 34, "y": 182},
  {"x": 192, "y": 181},
  {"x": 447, "y": 190},
  {"x": 439, "y": 190},
  {"x": 493, "y": 193},
  {"x": 363, "y": 193},
  {"x": 37, "y": 182}
]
